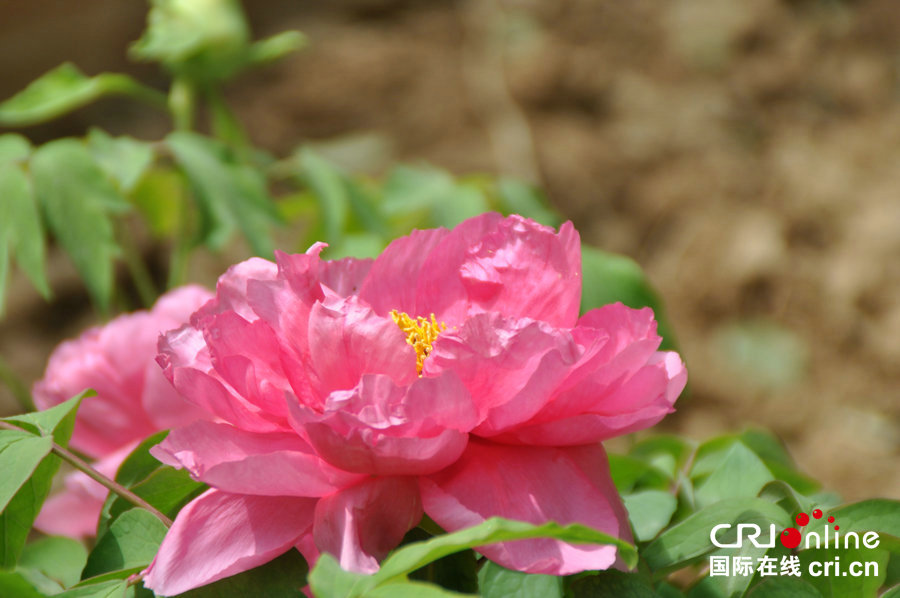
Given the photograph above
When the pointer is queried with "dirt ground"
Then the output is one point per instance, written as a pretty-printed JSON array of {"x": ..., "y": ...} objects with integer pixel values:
[{"x": 744, "y": 153}]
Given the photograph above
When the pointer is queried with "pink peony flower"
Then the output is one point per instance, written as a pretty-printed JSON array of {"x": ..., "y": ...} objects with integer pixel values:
[
  {"x": 133, "y": 401},
  {"x": 450, "y": 376}
]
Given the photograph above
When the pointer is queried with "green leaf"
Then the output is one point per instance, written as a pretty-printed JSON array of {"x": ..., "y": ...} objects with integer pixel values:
[
  {"x": 20, "y": 454},
  {"x": 57, "y": 421},
  {"x": 612, "y": 584},
  {"x": 275, "y": 47},
  {"x": 167, "y": 489},
  {"x": 21, "y": 232},
  {"x": 131, "y": 541},
  {"x": 649, "y": 511},
  {"x": 329, "y": 190},
  {"x": 784, "y": 587},
  {"x": 892, "y": 593},
  {"x": 457, "y": 572},
  {"x": 690, "y": 538},
  {"x": 834, "y": 585},
  {"x": 880, "y": 515},
  {"x": 229, "y": 193},
  {"x": 416, "y": 555},
  {"x": 279, "y": 578},
  {"x": 666, "y": 452},
  {"x": 14, "y": 585},
  {"x": 61, "y": 559},
  {"x": 329, "y": 580},
  {"x": 19, "y": 515},
  {"x": 740, "y": 474},
  {"x": 76, "y": 197},
  {"x": 124, "y": 159},
  {"x": 14, "y": 148},
  {"x": 629, "y": 473},
  {"x": 495, "y": 581},
  {"x": 608, "y": 278},
  {"x": 108, "y": 589},
  {"x": 63, "y": 90},
  {"x": 412, "y": 589},
  {"x": 140, "y": 463}
]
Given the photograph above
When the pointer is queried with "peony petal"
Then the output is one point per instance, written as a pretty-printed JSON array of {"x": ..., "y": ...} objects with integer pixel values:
[
  {"x": 345, "y": 276},
  {"x": 391, "y": 282},
  {"x": 509, "y": 265},
  {"x": 534, "y": 485},
  {"x": 347, "y": 339},
  {"x": 219, "y": 534},
  {"x": 271, "y": 464},
  {"x": 231, "y": 288},
  {"x": 510, "y": 366},
  {"x": 165, "y": 407},
  {"x": 362, "y": 524},
  {"x": 379, "y": 428}
]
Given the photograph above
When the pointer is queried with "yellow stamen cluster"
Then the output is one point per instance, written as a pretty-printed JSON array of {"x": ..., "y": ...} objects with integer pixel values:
[{"x": 420, "y": 333}]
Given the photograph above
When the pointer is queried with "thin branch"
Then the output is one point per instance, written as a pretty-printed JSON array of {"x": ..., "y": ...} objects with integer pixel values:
[{"x": 82, "y": 465}]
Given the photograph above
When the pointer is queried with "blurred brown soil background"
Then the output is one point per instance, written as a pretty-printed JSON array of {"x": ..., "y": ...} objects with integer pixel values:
[{"x": 746, "y": 154}]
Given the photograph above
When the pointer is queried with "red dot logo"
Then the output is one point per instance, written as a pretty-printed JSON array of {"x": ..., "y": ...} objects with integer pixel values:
[
  {"x": 831, "y": 520},
  {"x": 802, "y": 519},
  {"x": 790, "y": 537},
  {"x": 817, "y": 513}
]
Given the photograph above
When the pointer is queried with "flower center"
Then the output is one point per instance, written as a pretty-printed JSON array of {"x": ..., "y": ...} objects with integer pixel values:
[{"x": 420, "y": 333}]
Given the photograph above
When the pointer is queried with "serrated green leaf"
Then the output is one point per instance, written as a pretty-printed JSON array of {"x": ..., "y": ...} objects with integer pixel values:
[
  {"x": 59, "y": 91},
  {"x": 20, "y": 226},
  {"x": 649, "y": 511},
  {"x": 690, "y": 538},
  {"x": 76, "y": 197},
  {"x": 20, "y": 454},
  {"x": 107, "y": 589},
  {"x": 280, "y": 578},
  {"x": 608, "y": 278},
  {"x": 740, "y": 474},
  {"x": 131, "y": 541},
  {"x": 229, "y": 193},
  {"x": 612, "y": 584},
  {"x": 495, "y": 581},
  {"x": 413, "y": 556},
  {"x": 13, "y": 148},
  {"x": 61, "y": 559},
  {"x": 124, "y": 159}
]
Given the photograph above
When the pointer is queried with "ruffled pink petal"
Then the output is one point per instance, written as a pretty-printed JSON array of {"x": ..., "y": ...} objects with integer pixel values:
[
  {"x": 637, "y": 403},
  {"x": 75, "y": 511},
  {"x": 233, "y": 460},
  {"x": 175, "y": 307},
  {"x": 360, "y": 525},
  {"x": 380, "y": 428},
  {"x": 508, "y": 265},
  {"x": 347, "y": 339},
  {"x": 534, "y": 485},
  {"x": 231, "y": 288},
  {"x": 345, "y": 276},
  {"x": 392, "y": 280},
  {"x": 246, "y": 356},
  {"x": 165, "y": 407},
  {"x": 510, "y": 366},
  {"x": 186, "y": 362},
  {"x": 219, "y": 534}
]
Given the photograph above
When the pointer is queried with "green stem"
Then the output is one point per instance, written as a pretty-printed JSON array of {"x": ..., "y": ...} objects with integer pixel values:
[
  {"x": 178, "y": 262},
  {"x": 182, "y": 103},
  {"x": 128, "y": 86},
  {"x": 16, "y": 386},
  {"x": 143, "y": 281},
  {"x": 113, "y": 486},
  {"x": 225, "y": 124}
]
